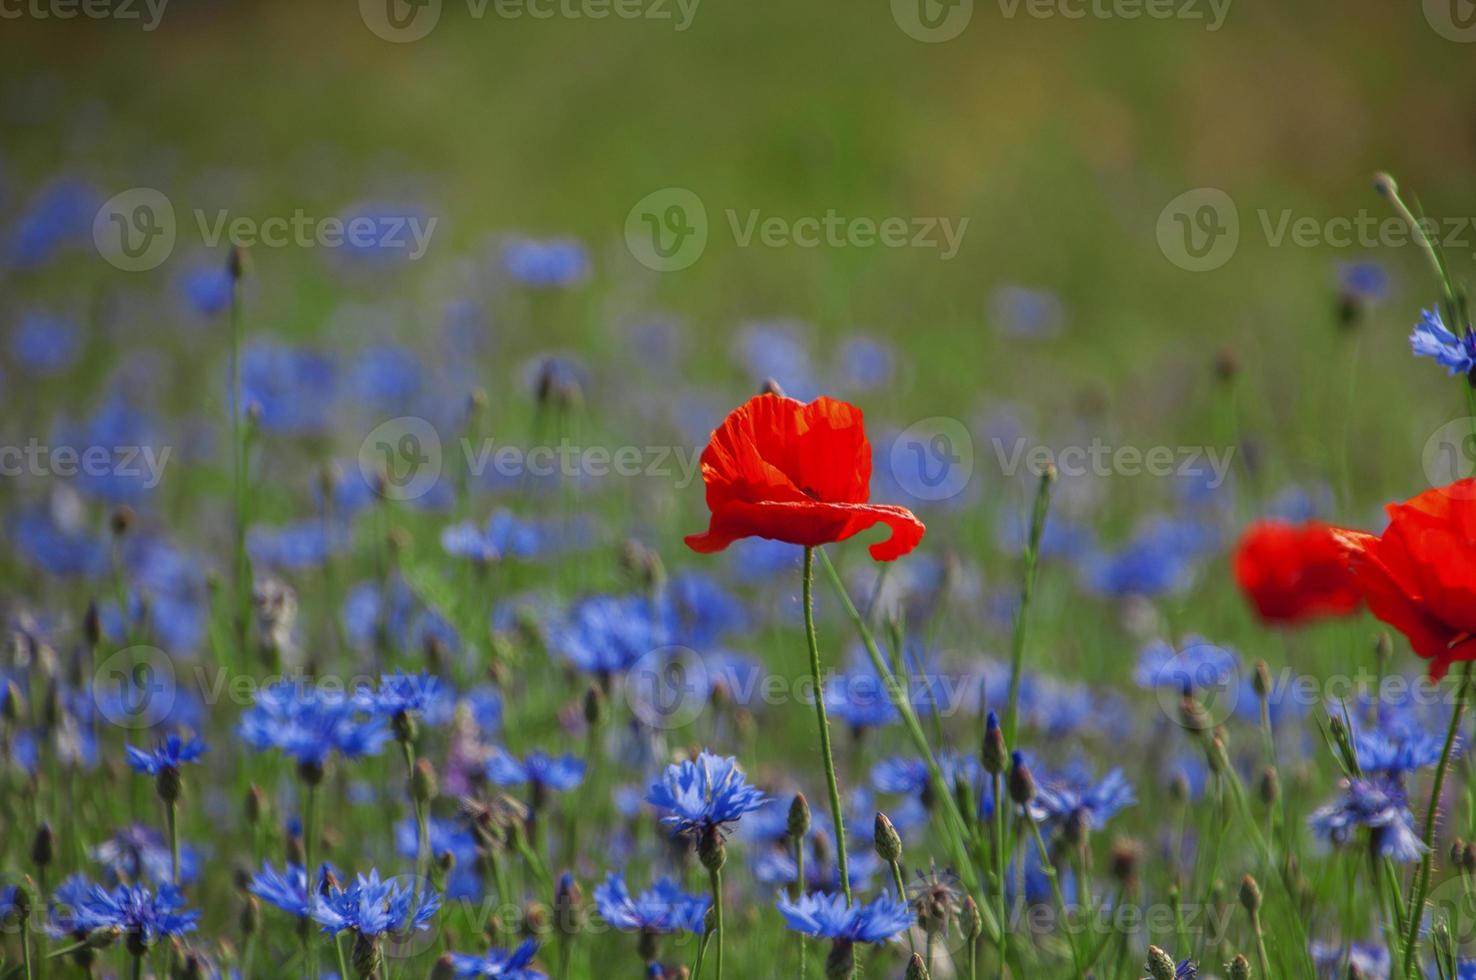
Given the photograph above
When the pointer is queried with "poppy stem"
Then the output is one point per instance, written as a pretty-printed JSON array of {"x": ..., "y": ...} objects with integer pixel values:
[
  {"x": 824, "y": 723},
  {"x": 1422, "y": 876},
  {"x": 1032, "y": 555}
]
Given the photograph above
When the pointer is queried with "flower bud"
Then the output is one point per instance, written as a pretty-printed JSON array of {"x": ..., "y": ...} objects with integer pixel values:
[
  {"x": 995, "y": 755},
  {"x": 1261, "y": 680},
  {"x": 444, "y": 968},
  {"x": 1160, "y": 964},
  {"x": 43, "y": 846},
  {"x": 1269, "y": 786},
  {"x": 423, "y": 783},
  {"x": 916, "y": 968},
  {"x": 594, "y": 706},
  {"x": 1250, "y": 895},
  {"x": 1022, "y": 783},
  {"x": 1238, "y": 969},
  {"x": 169, "y": 784},
  {"x": 254, "y": 805},
  {"x": 250, "y": 916},
  {"x": 888, "y": 841},
  {"x": 710, "y": 849},
  {"x": 799, "y": 816},
  {"x": 973, "y": 922}
]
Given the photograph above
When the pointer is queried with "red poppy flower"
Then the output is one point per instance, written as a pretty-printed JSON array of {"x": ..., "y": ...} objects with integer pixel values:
[
  {"x": 781, "y": 469},
  {"x": 1419, "y": 576},
  {"x": 1293, "y": 573}
]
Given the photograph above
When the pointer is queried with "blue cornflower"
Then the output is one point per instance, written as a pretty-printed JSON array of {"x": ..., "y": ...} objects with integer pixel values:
[
  {"x": 860, "y": 700},
  {"x": 826, "y": 915},
  {"x": 423, "y": 695},
  {"x": 295, "y": 546},
  {"x": 44, "y": 344},
  {"x": 310, "y": 723},
  {"x": 291, "y": 391},
  {"x": 205, "y": 287},
  {"x": 1159, "y": 558},
  {"x": 145, "y": 917},
  {"x": 1025, "y": 313},
  {"x": 372, "y": 907},
  {"x": 286, "y": 889},
  {"x": 1431, "y": 338},
  {"x": 59, "y": 216},
  {"x": 704, "y": 609},
  {"x": 865, "y": 363},
  {"x": 910, "y": 777},
  {"x": 1363, "y": 280},
  {"x": 139, "y": 853},
  {"x": 608, "y": 634},
  {"x": 445, "y": 837},
  {"x": 776, "y": 350},
  {"x": 776, "y": 866},
  {"x": 538, "y": 769},
  {"x": 662, "y": 908},
  {"x": 703, "y": 796},
  {"x": 545, "y": 263},
  {"x": 503, "y": 964},
  {"x": 1379, "y": 805},
  {"x": 1075, "y": 800},
  {"x": 169, "y": 754},
  {"x": 1196, "y": 665}
]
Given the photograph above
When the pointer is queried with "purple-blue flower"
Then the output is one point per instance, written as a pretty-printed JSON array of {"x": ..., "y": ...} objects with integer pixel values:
[
  {"x": 168, "y": 754},
  {"x": 537, "y": 769},
  {"x": 502, "y": 964},
  {"x": 662, "y": 908},
  {"x": 827, "y": 915},
  {"x": 310, "y": 723},
  {"x": 1378, "y": 805},
  {"x": 703, "y": 795},
  {"x": 372, "y": 906},
  {"x": 1431, "y": 338}
]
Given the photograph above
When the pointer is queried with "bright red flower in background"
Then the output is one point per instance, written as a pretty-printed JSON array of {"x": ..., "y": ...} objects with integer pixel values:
[
  {"x": 1419, "y": 576},
  {"x": 781, "y": 469},
  {"x": 1293, "y": 573}
]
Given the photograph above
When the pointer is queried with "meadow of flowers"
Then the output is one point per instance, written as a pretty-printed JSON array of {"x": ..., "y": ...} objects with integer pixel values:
[{"x": 387, "y": 599}]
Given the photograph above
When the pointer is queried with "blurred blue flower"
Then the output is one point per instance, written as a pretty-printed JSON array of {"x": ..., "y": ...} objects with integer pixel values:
[
  {"x": 703, "y": 796},
  {"x": 144, "y": 916},
  {"x": 205, "y": 287},
  {"x": 865, "y": 363},
  {"x": 58, "y": 216},
  {"x": 293, "y": 547},
  {"x": 287, "y": 889},
  {"x": 1074, "y": 797},
  {"x": 125, "y": 454},
  {"x": 775, "y": 350},
  {"x": 44, "y": 344},
  {"x": 291, "y": 390},
  {"x": 424, "y": 695},
  {"x": 1364, "y": 280},
  {"x": 138, "y": 853},
  {"x": 63, "y": 550},
  {"x": 1431, "y": 338},
  {"x": 538, "y": 769},
  {"x": 502, "y": 964},
  {"x": 310, "y": 723},
  {"x": 385, "y": 378},
  {"x": 169, "y": 754},
  {"x": 545, "y": 263},
  {"x": 445, "y": 837},
  {"x": 1337, "y": 962},
  {"x": 607, "y": 634},
  {"x": 1026, "y": 314},
  {"x": 1196, "y": 665},
  {"x": 1379, "y": 805},
  {"x": 663, "y": 908},
  {"x": 829, "y": 916}
]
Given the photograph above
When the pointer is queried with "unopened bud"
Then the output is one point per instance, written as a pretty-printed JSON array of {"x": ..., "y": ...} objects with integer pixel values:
[
  {"x": 1160, "y": 964},
  {"x": 43, "y": 846},
  {"x": 1269, "y": 786},
  {"x": 1022, "y": 783},
  {"x": 888, "y": 841},
  {"x": 799, "y": 816},
  {"x": 994, "y": 754},
  {"x": 916, "y": 968},
  {"x": 423, "y": 783},
  {"x": 1250, "y": 894},
  {"x": 1238, "y": 968}
]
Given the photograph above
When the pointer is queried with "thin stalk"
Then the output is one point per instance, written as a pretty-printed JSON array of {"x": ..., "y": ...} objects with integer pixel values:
[
  {"x": 717, "y": 911},
  {"x": 835, "y": 802},
  {"x": 171, "y": 822},
  {"x": 1032, "y": 556},
  {"x": 1049, "y": 870},
  {"x": 309, "y": 808},
  {"x": 1422, "y": 876}
]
